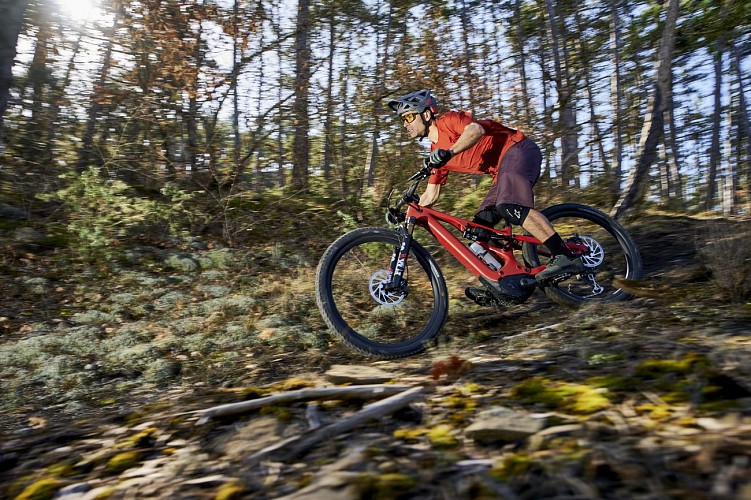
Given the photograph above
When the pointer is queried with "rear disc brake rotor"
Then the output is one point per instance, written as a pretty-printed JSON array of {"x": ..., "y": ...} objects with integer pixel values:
[{"x": 596, "y": 254}]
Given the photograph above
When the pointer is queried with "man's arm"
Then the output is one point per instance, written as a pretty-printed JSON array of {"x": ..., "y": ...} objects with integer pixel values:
[
  {"x": 432, "y": 192},
  {"x": 472, "y": 133}
]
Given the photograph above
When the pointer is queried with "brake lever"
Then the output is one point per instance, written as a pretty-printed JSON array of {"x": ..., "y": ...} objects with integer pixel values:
[{"x": 424, "y": 171}]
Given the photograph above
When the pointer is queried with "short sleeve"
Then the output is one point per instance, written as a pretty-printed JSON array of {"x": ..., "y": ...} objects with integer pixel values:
[{"x": 438, "y": 176}]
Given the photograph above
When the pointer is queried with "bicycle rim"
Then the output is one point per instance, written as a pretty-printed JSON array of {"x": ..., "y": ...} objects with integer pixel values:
[{"x": 377, "y": 321}]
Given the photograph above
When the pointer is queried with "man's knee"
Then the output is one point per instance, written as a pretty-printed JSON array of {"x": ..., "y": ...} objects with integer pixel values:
[
  {"x": 487, "y": 217},
  {"x": 513, "y": 213}
]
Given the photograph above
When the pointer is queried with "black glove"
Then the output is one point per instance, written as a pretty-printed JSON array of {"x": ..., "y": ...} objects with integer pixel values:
[{"x": 439, "y": 158}]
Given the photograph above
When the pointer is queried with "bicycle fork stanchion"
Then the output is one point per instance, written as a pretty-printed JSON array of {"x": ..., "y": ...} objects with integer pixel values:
[{"x": 399, "y": 260}]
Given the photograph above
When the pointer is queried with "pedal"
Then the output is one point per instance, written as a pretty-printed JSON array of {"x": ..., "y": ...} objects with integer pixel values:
[{"x": 479, "y": 295}]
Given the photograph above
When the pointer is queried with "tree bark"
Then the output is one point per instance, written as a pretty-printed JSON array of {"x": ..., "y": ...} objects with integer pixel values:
[
  {"x": 654, "y": 119},
  {"x": 714, "y": 149},
  {"x": 87, "y": 144},
  {"x": 12, "y": 13},
  {"x": 328, "y": 143},
  {"x": 519, "y": 33},
  {"x": 377, "y": 98},
  {"x": 744, "y": 123},
  {"x": 616, "y": 99},
  {"x": 566, "y": 102},
  {"x": 301, "y": 120}
]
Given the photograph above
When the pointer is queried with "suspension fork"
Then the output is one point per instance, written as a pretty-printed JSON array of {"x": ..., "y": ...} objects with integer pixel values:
[{"x": 399, "y": 258}]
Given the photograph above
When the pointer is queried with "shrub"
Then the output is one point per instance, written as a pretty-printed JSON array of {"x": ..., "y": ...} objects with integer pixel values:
[
  {"x": 101, "y": 211},
  {"x": 725, "y": 248}
]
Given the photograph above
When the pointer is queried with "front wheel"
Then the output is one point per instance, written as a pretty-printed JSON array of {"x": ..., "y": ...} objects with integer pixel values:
[
  {"x": 612, "y": 253},
  {"x": 357, "y": 306}
]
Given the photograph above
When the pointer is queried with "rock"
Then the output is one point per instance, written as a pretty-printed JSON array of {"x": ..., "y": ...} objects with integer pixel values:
[
  {"x": 11, "y": 212},
  {"x": 501, "y": 424},
  {"x": 357, "y": 375},
  {"x": 28, "y": 235},
  {"x": 73, "y": 491}
]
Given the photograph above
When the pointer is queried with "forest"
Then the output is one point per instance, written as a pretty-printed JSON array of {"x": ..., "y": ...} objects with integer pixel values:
[
  {"x": 634, "y": 103},
  {"x": 172, "y": 171}
]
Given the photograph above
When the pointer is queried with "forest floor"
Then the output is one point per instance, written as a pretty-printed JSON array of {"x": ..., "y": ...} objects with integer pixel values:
[{"x": 107, "y": 372}]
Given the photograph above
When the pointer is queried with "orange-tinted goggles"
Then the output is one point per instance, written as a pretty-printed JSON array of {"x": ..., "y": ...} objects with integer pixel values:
[{"x": 409, "y": 117}]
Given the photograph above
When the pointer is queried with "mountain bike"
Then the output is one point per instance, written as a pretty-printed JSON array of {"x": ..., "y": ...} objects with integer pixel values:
[{"x": 383, "y": 293}]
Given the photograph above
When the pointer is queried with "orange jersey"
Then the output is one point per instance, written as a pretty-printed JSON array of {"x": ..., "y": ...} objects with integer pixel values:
[{"x": 482, "y": 158}]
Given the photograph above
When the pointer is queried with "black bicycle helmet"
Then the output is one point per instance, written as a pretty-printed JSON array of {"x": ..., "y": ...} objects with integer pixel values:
[{"x": 416, "y": 101}]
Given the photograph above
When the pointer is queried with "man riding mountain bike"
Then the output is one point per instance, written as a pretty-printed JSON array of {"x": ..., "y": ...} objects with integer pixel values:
[{"x": 459, "y": 143}]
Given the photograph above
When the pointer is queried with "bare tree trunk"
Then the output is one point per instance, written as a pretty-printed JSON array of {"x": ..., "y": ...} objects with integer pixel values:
[
  {"x": 675, "y": 183},
  {"x": 343, "y": 170},
  {"x": 377, "y": 98},
  {"x": 235, "y": 96},
  {"x": 11, "y": 12},
  {"x": 58, "y": 94},
  {"x": 85, "y": 152},
  {"x": 597, "y": 138},
  {"x": 328, "y": 144},
  {"x": 519, "y": 33},
  {"x": 729, "y": 184},
  {"x": 300, "y": 116},
  {"x": 567, "y": 117},
  {"x": 714, "y": 148},
  {"x": 743, "y": 122},
  {"x": 471, "y": 81},
  {"x": 616, "y": 96},
  {"x": 654, "y": 119}
]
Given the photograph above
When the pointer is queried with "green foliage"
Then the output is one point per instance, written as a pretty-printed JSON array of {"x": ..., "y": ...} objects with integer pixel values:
[{"x": 103, "y": 211}]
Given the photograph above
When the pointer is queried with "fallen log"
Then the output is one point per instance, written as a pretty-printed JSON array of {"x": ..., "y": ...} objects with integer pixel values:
[
  {"x": 298, "y": 445},
  {"x": 350, "y": 392}
]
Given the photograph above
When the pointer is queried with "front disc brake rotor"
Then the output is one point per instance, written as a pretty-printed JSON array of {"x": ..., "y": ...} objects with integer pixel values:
[{"x": 377, "y": 289}]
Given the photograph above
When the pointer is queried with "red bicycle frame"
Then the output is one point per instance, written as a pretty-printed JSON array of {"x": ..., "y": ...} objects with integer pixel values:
[{"x": 433, "y": 220}]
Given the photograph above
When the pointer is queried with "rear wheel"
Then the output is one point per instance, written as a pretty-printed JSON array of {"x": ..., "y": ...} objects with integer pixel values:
[
  {"x": 612, "y": 253},
  {"x": 353, "y": 300}
]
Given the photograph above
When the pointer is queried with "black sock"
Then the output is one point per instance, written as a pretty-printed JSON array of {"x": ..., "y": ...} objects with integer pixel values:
[{"x": 556, "y": 245}]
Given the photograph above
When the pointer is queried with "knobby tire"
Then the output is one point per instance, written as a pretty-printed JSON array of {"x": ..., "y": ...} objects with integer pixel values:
[
  {"x": 346, "y": 271},
  {"x": 622, "y": 258}
]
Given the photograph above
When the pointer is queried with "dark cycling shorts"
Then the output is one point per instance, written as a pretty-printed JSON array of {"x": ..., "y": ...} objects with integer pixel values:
[{"x": 517, "y": 175}]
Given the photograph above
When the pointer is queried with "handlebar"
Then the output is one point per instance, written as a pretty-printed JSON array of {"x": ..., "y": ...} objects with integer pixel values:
[{"x": 416, "y": 178}]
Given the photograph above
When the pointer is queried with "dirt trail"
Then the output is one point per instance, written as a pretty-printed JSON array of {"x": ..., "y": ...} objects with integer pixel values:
[{"x": 645, "y": 398}]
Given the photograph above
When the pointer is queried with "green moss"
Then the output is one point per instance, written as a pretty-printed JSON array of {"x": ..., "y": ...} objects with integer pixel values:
[
  {"x": 230, "y": 491},
  {"x": 385, "y": 486},
  {"x": 655, "y": 411},
  {"x": 410, "y": 434},
  {"x": 143, "y": 439},
  {"x": 510, "y": 467},
  {"x": 611, "y": 383},
  {"x": 283, "y": 414},
  {"x": 600, "y": 359},
  {"x": 61, "y": 469},
  {"x": 122, "y": 462},
  {"x": 656, "y": 368},
  {"x": 248, "y": 393},
  {"x": 442, "y": 436},
  {"x": 582, "y": 399},
  {"x": 41, "y": 490},
  {"x": 292, "y": 384}
]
